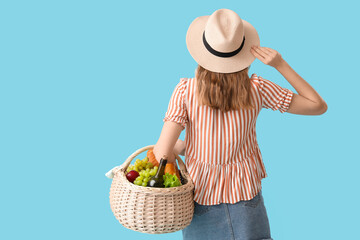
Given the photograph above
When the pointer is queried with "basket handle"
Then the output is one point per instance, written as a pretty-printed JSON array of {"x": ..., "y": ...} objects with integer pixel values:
[{"x": 137, "y": 152}]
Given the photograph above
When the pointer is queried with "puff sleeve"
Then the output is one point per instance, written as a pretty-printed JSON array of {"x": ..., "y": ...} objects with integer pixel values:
[
  {"x": 274, "y": 96},
  {"x": 177, "y": 111}
]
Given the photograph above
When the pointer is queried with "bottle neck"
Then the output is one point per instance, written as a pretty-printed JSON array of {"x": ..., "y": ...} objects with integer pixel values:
[{"x": 161, "y": 168}]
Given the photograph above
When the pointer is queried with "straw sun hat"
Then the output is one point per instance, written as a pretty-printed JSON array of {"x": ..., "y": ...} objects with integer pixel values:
[{"x": 221, "y": 42}]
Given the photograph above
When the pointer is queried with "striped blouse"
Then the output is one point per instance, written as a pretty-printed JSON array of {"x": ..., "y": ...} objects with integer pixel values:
[{"x": 222, "y": 155}]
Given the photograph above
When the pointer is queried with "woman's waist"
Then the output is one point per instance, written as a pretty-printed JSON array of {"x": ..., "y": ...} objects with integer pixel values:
[{"x": 222, "y": 159}]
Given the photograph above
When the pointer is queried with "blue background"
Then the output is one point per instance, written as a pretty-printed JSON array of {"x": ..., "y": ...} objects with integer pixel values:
[{"x": 84, "y": 84}]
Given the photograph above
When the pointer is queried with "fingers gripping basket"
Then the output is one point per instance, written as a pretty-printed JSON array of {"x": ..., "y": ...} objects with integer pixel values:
[{"x": 151, "y": 210}]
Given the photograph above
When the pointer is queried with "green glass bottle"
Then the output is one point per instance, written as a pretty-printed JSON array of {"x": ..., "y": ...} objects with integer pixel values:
[{"x": 158, "y": 180}]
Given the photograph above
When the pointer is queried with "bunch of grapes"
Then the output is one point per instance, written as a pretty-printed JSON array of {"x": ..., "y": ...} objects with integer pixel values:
[{"x": 145, "y": 169}]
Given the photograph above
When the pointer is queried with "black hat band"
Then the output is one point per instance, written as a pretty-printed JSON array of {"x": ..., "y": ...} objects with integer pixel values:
[{"x": 222, "y": 54}]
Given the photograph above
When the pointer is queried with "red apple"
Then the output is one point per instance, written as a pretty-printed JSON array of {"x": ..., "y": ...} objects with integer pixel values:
[{"x": 132, "y": 175}]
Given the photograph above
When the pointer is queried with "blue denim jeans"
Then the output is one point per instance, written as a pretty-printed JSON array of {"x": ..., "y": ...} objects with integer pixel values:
[{"x": 244, "y": 220}]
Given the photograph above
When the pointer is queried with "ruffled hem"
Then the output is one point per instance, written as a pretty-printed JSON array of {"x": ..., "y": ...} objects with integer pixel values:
[
  {"x": 176, "y": 119},
  {"x": 226, "y": 183},
  {"x": 284, "y": 104}
]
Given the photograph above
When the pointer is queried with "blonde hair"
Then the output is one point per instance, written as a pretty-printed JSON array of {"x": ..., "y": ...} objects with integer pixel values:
[{"x": 224, "y": 91}]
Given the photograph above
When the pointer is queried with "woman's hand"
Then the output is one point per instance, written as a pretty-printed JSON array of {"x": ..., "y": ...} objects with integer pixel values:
[
  {"x": 267, "y": 55},
  {"x": 170, "y": 159}
]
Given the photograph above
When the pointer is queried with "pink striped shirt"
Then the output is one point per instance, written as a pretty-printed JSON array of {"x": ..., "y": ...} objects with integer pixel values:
[{"x": 222, "y": 155}]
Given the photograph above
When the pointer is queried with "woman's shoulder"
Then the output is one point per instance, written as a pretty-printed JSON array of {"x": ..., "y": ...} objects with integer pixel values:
[
  {"x": 184, "y": 81},
  {"x": 255, "y": 79},
  {"x": 182, "y": 84},
  {"x": 254, "y": 76}
]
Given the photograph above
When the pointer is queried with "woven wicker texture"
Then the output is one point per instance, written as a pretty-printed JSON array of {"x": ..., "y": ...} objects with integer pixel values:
[{"x": 151, "y": 210}]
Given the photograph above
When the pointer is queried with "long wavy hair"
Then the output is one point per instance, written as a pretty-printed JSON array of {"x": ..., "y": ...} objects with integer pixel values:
[{"x": 224, "y": 91}]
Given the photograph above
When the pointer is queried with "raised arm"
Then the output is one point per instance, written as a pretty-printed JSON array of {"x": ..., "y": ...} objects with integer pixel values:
[{"x": 307, "y": 101}]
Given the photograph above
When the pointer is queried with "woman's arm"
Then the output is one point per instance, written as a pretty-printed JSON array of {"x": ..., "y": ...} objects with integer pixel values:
[
  {"x": 308, "y": 101},
  {"x": 167, "y": 140},
  {"x": 179, "y": 148}
]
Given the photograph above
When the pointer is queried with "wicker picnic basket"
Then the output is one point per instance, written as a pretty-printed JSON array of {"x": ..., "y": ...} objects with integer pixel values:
[{"x": 151, "y": 210}]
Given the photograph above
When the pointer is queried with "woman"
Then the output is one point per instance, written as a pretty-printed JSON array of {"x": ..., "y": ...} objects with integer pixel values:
[{"x": 219, "y": 108}]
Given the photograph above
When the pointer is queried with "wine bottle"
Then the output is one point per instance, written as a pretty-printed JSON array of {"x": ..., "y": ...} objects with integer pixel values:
[{"x": 158, "y": 180}]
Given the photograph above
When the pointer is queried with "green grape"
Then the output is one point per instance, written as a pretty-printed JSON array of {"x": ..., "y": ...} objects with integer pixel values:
[
  {"x": 148, "y": 170},
  {"x": 136, "y": 169},
  {"x": 137, "y": 182},
  {"x": 146, "y": 159},
  {"x": 144, "y": 184},
  {"x": 146, "y": 180},
  {"x": 140, "y": 167},
  {"x": 131, "y": 167},
  {"x": 156, "y": 168},
  {"x": 152, "y": 172},
  {"x": 143, "y": 164},
  {"x": 147, "y": 174},
  {"x": 139, "y": 178},
  {"x": 149, "y": 165}
]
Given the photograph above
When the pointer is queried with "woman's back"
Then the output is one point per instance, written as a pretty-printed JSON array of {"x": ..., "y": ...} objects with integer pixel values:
[
  {"x": 221, "y": 150},
  {"x": 222, "y": 153}
]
